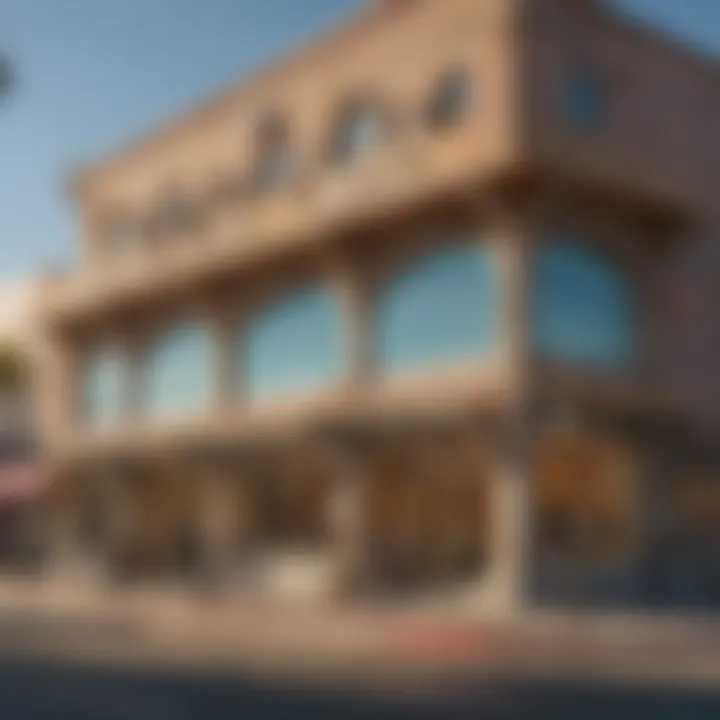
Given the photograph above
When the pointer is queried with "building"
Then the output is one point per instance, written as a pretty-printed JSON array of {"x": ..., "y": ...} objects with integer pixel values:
[
  {"x": 427, "y": 306},
  {"x": 23, "y": 480}
]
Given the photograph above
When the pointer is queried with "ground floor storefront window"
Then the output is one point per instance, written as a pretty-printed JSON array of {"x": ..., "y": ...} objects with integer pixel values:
[{"x": 586, "y": 518}]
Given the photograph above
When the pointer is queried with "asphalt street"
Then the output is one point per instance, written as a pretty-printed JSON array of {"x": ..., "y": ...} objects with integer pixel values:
[{"x": 35, "y": 691}]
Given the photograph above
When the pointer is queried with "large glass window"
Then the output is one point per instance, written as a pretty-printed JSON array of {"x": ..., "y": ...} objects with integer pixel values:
[
  {"x": 178, "y": 371},
  {"x": 293, "y": 345},
  {"x": 103, "y": 388},
  {"x": 441, "y": 307},
  {"x": 583, "y": 309}
]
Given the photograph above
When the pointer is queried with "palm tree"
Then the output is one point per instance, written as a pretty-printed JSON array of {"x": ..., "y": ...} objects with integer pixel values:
[{"x": 14, "y": 370}]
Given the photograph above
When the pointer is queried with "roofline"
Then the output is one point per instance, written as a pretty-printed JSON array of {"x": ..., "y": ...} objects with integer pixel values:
[
  {"x": 366, "y": 19},
  {"x": 682, "y": 48}
]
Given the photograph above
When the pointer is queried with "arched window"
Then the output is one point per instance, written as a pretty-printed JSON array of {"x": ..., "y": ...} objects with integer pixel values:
[
  {"x": 178, "y": 371},
  {"x": 177, "y": 214},
  {"x": 293, "y": 345},
  {"x": 450, "y": 100},
  {"x": 439, "y": 308},
  {"x": 272, "y": 160},
  {"x": 360, "y": 127},
  {"x": 103, "y": 388},
  {"x": 121, "y": 234},
  {"x": 227, "y": 189},
  {"x": 583, "y": 306}
]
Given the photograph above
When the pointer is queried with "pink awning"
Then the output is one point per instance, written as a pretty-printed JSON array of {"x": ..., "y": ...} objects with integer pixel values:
[{"x": 22, "y": 482}]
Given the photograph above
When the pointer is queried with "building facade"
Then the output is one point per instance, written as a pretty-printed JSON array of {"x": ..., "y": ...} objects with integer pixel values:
[
  {"x": 23, "y": 480},
  {"x": 427, "y": 306}
]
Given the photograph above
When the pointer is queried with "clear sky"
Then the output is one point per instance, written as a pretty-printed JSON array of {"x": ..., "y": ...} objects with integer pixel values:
[{"x": 93, "y": 74}]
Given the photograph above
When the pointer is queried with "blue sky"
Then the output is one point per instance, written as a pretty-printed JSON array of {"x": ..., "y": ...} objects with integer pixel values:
[{"x": 93, "y": 74}]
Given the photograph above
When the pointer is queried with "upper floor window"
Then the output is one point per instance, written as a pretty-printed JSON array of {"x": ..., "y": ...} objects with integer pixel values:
[
  {"x": 178, "y": 371},
  {"x": 225, "y": 190},
  {"x": 273, "y": 164},
  {"x": 360, "y": 127},
  {"x": 439, "y": 308},
  {"x": 294, "y": 344},
  {"x": 121, "y": 234},
  {"x": 103, "y": 391},
  {"x": 584, "y": 99},
  {"x": 583, "y": 306},
  {"x": 450, "y": 100},
  {"x": 177, "y": 213}
]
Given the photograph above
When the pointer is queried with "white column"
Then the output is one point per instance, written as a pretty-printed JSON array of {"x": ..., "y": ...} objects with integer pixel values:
[
  {"x": 347, "y": 524},
  {"x": 509, "y": 570},
  {"x": 355, "y": 305},
  {"x": 55, "y": 391},
  {"x": 226, "y": 374},
  {"x": 507, "y": 574},
  {"x": 62, "y": 539},
  {"x": 134, "y": 348},
  {"x": 119, "y": 517},
  {"x": 220, "y": 511}
]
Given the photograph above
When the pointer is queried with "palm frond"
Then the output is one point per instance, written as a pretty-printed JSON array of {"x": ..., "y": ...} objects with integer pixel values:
[{"x": 14, "y": 367}]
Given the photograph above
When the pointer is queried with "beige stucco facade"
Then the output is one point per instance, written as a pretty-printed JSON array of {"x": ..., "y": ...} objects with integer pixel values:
[{"x": 643, "y": 185}]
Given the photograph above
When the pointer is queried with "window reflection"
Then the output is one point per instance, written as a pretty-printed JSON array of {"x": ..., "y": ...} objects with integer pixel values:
[
  {"x": 441, "y": 307},
  {"x": 178, "y": 376},
  {"x": 294, "y": 344},
  {"x": 103, "y": 388},
  {"x": 583, "y": 306}
]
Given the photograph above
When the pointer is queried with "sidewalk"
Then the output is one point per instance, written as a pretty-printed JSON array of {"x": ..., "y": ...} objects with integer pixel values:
[{"x": 169, "y": 628}]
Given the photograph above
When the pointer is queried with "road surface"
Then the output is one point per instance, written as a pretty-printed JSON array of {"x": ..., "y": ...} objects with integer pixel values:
[{"x": 30, "y": 690}]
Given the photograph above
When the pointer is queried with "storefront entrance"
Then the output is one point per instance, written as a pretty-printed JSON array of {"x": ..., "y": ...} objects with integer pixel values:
[
  {"x": 587, "y": 530},
  {"x": 427, "y": 519}
]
